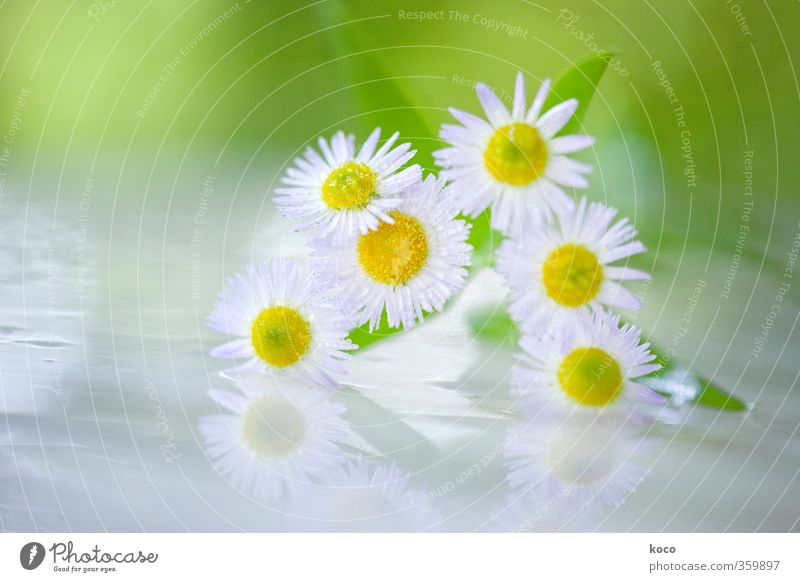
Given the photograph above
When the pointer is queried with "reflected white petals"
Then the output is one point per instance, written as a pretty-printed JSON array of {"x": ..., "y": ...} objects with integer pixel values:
[
  {"x": 271, "y": 437},
  {"x": 363, "y": 496},
  {"x": 562, "y": 472}
]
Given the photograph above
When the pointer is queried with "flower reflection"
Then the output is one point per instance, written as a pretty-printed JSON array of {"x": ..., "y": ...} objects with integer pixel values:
[{"x": 575, "y": 468}]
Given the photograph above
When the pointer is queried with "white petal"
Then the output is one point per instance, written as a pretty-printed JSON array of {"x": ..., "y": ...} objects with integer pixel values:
[
  {"x": 560, "y": 175},
  {"x": 368, "y": 149},
  {"x": 644, "y": 394},
  {"x": 568, "y": 144},
  {"x": 384, "y": 148},
  {"x": 616, "y": 295},
  {"x": 341, "y": 147},
  {"x": 240, "y": 348},
  {"x": 495, "y": 109},
  {"x": 233, "y": 402},
  {"x": 626, "y": 250},
  {"x": 326, "y": 151},
  {"x": 470, "y": 121},
  {"x": 625, "y": 274},
  {"x": 536, "y": 106},
  {"x": 556, "y": 118},
  {"x": 518, "y": 112},
  {"x": 463, "y": 137}
]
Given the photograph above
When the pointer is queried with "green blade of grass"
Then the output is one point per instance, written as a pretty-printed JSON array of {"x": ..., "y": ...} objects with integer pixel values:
[{"x": 579, "y": 82}]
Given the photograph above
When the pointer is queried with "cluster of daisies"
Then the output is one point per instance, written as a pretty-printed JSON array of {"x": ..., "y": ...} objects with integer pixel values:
[{"x": 388, "y": 246}]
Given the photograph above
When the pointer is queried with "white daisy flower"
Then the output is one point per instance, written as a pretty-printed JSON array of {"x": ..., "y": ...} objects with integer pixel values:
[
  {"x": 273, "y": 436},
  {"x": 513, "y": 161},
  {"x": 366, "y": 497},
  {"x": 343, "y": 193},
  {"x": 559, "y": 270},
  {"x": 572, "y": 471},
  {"x": 284, "y": 323},
  {"x": 592, "y": 365},
  {"x": 409, "y": 266}
]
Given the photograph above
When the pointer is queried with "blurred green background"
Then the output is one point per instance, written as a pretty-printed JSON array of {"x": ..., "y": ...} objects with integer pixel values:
[{"x": 107, "y": 79}]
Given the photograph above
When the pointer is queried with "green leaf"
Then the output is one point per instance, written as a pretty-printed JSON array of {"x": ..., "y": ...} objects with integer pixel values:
[
  {"x": 380, "y": 94},
  {"x": 715, "y": 397},
  {"x": 484, "y": 240},
  {"x": 579, "y": 82},
  {"x": 494, "y": 325},
  {"x": 363, "y": 337},
  {"x": 703, "y": 391}
]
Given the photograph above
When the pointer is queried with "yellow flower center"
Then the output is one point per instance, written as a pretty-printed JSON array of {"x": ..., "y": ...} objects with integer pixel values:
[
  {"x": 394, "y": 253},
  {"x": 273, "y": 427},
  {"x": 349, "y": 186},
  {"x": 281, "y": 336},
  {"x": 590, "y": 376},
  {"x": 516, "y": 154},
  {"x": 572, "y": 275}
]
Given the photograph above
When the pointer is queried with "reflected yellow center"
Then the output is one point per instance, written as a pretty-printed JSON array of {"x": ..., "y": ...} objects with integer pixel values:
[
  {"x": 590, "y": 376},
  {"x": 280, "y": 336},
  {"x": 516, "y": 154},
  {"x": 349, "y": 186},
  {"x": 572, "y": 275},
  {"x": 273, "y": 427},
  {"x": 582, "y": 457},
  {"x": 394, "y": 253}
]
